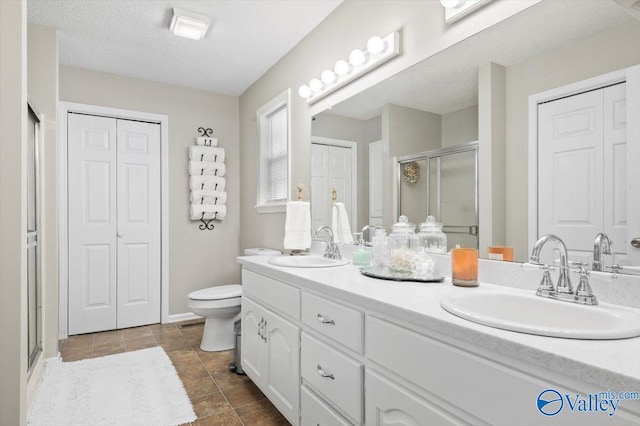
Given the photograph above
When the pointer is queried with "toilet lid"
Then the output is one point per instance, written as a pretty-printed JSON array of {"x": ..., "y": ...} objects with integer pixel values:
[{"x": 217, "y": 293}]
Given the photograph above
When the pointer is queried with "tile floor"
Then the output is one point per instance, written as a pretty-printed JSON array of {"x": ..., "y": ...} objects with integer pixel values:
[{"x": 219, "y": 397}]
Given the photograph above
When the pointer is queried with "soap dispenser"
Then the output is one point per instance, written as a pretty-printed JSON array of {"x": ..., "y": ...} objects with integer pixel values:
[{"x": 362, "y": 255}]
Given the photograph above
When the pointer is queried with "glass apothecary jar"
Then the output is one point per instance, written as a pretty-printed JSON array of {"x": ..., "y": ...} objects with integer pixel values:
[
  {"x": 431, "y": 236},
  {"x": 403, "y": 244}
]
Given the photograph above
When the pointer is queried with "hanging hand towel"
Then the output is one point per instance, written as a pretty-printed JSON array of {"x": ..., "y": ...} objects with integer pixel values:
[
  {"x": 205, "y": 153},
  {"x": 211, "y": 211},
  {"x": 206, "y": 141},
  {"x": 208, "y": 197},
  {"x": 213, "y": 183},
  {"x": 207, "y": 168},
  {"x": 297, "y": 226},
  {"x": 340, "y": 224}
]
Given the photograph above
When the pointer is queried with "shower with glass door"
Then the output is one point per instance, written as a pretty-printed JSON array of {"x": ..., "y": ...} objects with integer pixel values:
[{"x": 442, "y": 183}]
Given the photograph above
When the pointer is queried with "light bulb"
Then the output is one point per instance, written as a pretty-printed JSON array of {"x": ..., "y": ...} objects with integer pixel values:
[
  {"x": 342, "y": 67},
  {"x": 315, "y": 85},
  {"x": 357, "y": 57},
  {"x": 375, "y": 45},
  {"x": 304, "y": 91},
  {"x": 328, "y": 76}
]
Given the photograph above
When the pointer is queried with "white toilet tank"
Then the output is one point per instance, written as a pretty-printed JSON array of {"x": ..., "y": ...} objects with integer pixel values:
[{"x": 261, "y": 252}]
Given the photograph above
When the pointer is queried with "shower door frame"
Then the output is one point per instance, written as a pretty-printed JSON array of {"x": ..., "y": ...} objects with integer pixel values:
[{"x": 438, "y": 154}]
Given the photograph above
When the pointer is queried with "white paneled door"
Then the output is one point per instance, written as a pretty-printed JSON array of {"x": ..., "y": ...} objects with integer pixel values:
[
  {"x": 114, "y": 223},
  {"x": 582, "y": 173},
  {"x": 330, "y": 168}
]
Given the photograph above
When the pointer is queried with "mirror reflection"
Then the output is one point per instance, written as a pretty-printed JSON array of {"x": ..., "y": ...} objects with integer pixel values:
[{"x": 479, "y": 91}]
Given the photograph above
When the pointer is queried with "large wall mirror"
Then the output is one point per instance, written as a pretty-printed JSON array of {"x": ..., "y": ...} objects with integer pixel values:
[{"x": 477, "y": 91}]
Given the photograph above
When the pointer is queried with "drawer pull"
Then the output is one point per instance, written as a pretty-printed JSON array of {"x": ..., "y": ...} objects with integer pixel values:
[
  {"x": 323, "y": 320},
  {"x": 321, "y": 373}
]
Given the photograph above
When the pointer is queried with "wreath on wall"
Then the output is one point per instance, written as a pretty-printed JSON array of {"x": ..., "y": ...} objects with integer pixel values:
[{"x": 411, "y": 172}]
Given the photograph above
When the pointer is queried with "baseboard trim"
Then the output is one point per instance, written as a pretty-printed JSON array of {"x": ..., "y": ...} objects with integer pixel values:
[{"x": 183, "y": 317}]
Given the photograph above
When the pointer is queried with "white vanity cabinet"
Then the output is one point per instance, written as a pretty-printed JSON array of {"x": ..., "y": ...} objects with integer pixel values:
[
  {"x": 335, "y": 359},
  {"x": 270, "y": 343}
]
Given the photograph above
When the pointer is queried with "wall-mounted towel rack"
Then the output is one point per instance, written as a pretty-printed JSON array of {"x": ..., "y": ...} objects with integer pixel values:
[{"x": 207, "y": 162}]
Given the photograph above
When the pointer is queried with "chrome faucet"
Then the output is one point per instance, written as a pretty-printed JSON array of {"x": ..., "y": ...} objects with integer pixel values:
[
  {"x": 366, "y": 228},
  {"x": 332, "y": 251},
  {"x": 602, "y": 245},
  {"x": 564, "y": 282},
  {"x": 563, "y": 291}
]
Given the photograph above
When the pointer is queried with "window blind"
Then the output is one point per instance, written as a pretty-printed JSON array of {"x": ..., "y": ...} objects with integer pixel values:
[{"x": 277, "y": 155}]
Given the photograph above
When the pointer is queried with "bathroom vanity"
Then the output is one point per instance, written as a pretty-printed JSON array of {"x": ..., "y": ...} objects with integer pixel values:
[{"x": 329, "y": 346}]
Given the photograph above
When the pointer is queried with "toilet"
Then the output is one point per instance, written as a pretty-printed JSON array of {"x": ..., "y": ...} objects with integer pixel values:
[{"x": 221, "y": 307}]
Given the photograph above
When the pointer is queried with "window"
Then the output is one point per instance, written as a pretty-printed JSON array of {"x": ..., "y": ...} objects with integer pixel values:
[{"x": 273, "y": 173}]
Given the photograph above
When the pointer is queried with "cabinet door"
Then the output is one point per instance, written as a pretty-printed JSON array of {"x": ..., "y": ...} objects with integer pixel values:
[
  {"x": 390, "y": 404},
  {"x": 283, "y": 364},
  {"x": 253, "y": 347}
]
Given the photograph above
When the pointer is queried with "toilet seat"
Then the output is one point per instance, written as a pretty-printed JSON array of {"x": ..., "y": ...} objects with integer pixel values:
[
  {"x": 217, "y": 293},
  {"x": 224, "y": 296}
]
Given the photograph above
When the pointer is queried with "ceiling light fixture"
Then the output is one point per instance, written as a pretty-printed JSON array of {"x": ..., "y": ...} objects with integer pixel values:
[
  {"x": 379, "y": 50},
  {"x": 188, "y": 24},
  {"x": 456, "y": 9}
]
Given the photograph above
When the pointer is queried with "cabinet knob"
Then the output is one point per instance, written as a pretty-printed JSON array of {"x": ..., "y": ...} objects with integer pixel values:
[
  {"x": 321, "y": 373},
  {"x": 323, "y": 320},
  {"x": 635, "y": 242}
]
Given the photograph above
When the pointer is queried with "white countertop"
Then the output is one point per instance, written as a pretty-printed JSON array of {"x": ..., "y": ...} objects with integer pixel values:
[{"x": 608, "y": 364}]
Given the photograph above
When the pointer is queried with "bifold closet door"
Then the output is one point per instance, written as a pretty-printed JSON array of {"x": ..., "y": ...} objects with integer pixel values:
[
  {"x": 114, "y": 223},
  {"x": 138, "y": 223}
]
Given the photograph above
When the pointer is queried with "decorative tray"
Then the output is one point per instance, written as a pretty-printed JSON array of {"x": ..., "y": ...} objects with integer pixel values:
[{"x": 385, "y": 274}]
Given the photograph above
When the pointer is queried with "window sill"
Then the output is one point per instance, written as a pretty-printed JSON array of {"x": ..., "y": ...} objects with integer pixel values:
[{"x": 272, "y": 208}]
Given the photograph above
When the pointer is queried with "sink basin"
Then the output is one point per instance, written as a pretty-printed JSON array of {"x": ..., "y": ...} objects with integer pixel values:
[
  {"x": 306, "y": 261},
  {"x": 531, "y": 314}
]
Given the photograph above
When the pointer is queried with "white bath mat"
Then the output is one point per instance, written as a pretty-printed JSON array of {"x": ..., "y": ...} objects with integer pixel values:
[{"x": 132, "y": 388}]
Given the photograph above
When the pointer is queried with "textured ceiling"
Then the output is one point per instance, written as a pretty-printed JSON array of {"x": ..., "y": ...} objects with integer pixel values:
[
  {"x": 132, "y": 38},
  {"x": 448, "y": 81}
]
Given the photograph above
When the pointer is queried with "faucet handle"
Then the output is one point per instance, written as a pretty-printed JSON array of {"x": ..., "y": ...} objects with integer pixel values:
[
  {"x": 584, "y": 294},
  {"x": 546, "y": 284}
]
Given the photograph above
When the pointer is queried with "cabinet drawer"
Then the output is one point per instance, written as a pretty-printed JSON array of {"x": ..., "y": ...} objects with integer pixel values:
[
  {"x": 334, "y": 375},
  {"x": 313, "y": 411},
  {"x": 342, "y": 324},
  {"x": 279, "y": 296}
]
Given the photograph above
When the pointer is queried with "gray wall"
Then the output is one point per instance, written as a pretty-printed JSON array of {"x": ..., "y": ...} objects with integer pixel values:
[
  {"x": 460, "y": 126},
  {"x": 13, "y": 134},
  {"x": 42, "y": 52},
  {"x": 197, "y": 258}
]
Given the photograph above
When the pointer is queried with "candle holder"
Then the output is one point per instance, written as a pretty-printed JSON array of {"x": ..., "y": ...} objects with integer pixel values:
[
  {"x": 464, "y": 267},
  {"x": 501, "y": 253}
]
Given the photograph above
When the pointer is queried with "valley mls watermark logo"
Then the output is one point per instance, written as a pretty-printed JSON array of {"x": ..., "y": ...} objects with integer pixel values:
[{"x": 551, "y": 402}]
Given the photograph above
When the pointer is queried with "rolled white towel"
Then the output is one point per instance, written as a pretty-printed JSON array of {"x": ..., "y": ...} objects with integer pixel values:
[
  {"x": 206, "y": 141},
  {"x": 214, "y": 183},
  {"x": 340, "y": 224},
  {"x": 211, "y": 211},
  {"x": 297, "y": 226},
  {"x": 207, "y": 168},
  {"x": 206, "y": 153},
  {"x": 208, "y": 197}
]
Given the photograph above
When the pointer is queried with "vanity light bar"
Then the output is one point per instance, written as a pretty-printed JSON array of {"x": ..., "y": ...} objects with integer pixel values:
[{"x": 379, "y": 50}]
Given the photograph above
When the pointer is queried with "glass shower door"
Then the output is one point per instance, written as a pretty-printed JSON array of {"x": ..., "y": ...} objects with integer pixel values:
[
  {"x": 34, "y": 291},
  {"x": 453, "y": 197},
  {"x": 442, "y": 183}
]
